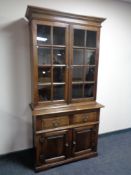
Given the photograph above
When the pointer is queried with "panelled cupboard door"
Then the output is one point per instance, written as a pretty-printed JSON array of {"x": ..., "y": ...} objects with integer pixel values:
[
  {"x": 84, "y": 58},
  {"x": 84, "y": 140},
  {"x": 52, "y": 147},
  {"x": 50, "y": 46}
]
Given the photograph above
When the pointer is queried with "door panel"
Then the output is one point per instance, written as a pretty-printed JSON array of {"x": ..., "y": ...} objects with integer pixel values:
[
  {"x": 83, "y": 63},
  {"x": 52, "y": 147},
  {"x": 51, "y": 61},
  {"x": 84, "y": 140}
]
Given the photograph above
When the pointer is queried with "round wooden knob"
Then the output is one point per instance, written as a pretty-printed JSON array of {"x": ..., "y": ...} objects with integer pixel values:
[
  {"x": 85, "y": 119},
  {"x": 55, "y": 124}
]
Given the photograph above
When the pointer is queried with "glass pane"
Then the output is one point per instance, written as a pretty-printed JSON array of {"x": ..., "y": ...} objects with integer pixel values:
[
  {"x": 78, "y": 56},
  {"x": 89, "y": 74},
  {"x": 44, "y": 74},
  {"x": 44, "y": 93},
  {"x": 58, "y": 36},
  {"x": 79, "y": 37},
  {"x": 77, "y": 74},
  {"x": 88, "y": 90},
  {"x": 58, "y": 56},
  {"x": 58, "y": 74},
  {"x": 91, "y": 39},
  {"x": 58, "y": 92},
  {"x": 90, "y": 57},
  {"x": 43, "y": 34},
  {"x": 77, "y": 91},
  {"x": 44, "y": 56}
]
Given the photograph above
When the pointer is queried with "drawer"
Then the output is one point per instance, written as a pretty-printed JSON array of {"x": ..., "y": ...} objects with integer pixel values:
[
  {"x": 83, "y": 118},
  {"x": 55, "y": 122}
]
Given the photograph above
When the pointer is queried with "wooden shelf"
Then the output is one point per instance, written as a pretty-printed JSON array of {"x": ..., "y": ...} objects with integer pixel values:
[
  {"x": 51, "y": 65},
  {"x": 83, "y": 65},
  {"x": 82, "y": 47},
  {"x": 49, "y": 84},
  {"x": 50, "y": 46},
  {"x": 83, "y": 82}
]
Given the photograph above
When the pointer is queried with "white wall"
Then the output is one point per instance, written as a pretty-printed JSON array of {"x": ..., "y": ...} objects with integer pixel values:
[{"x": 114, "y": 82}]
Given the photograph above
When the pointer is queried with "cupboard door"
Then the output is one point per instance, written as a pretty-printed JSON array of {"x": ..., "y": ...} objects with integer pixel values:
[
  {"x": 52, "y": 147},
  {"x": 84, "y": 55},
  {"x": 50, "y": 42},
  {"x": 84, "y": 140}
]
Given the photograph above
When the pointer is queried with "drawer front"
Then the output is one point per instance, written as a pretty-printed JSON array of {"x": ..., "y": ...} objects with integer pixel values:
[
  {"x": 55, "y": 122},
  {"x": 85, "y": 117}
]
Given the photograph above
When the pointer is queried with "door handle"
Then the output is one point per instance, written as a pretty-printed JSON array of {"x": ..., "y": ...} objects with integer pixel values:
[
  {"x": 74, "y": 142},
  {"x": 67, "y": 145}
]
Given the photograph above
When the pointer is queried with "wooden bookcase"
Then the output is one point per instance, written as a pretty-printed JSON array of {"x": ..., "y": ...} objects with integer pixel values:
[{"x": 64, "y": 61}]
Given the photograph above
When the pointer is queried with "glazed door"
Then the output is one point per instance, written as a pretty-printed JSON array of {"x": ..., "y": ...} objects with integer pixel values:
[
  {"x": 84, "y": 140},
  {"x": 50, "y": 47},
  {"x": 84, "y": 60},
  {"x": 52, "y": 147}
]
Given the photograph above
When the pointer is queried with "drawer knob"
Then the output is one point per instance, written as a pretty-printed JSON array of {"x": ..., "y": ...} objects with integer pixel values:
[
  {"x": 55, "y": 124},
  {"x": 85, "y": 119}
]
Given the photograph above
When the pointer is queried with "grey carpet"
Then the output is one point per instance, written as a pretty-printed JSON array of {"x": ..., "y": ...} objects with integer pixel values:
[{"x": 114, "y": 159}]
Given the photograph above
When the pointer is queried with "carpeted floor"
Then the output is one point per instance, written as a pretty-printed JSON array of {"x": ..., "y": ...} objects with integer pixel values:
[{"x": 114, "y": 159}]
